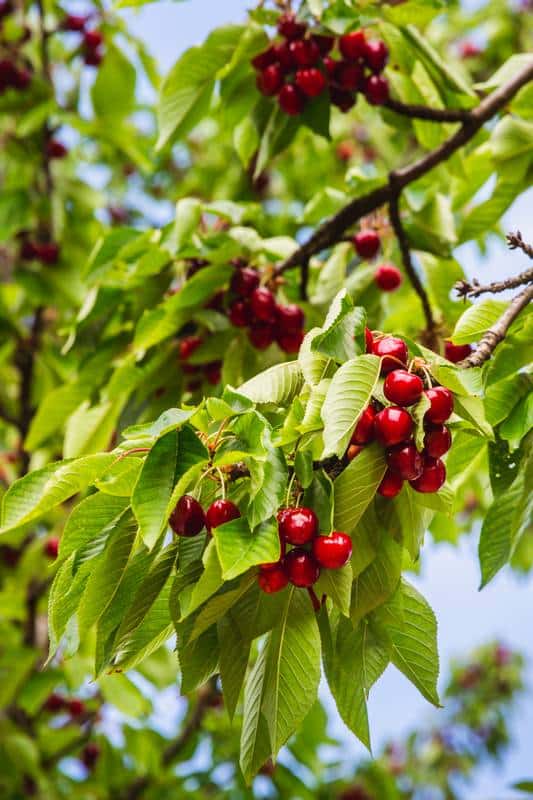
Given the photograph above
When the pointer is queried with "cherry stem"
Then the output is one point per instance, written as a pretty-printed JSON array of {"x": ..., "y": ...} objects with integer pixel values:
[
  {"x": 131, "y": 452},
  {"x": 289, "y": 489},
  {"x": 222, "y": 483},
  {"x": 314, "y": 599}
]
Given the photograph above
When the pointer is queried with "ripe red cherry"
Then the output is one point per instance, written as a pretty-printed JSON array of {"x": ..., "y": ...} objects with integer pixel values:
[
  {"x": 441, "y": 407},
  {"x": 220, "y": 512},
  {"x": 366, "y": 244},
  {"x": 403, "y": 388},
  {"x": 369, "y": 340},
  {"x": 341, "y": 98},
  {"x": 298, "y": 525},
  {"x": 54, "y": 703},
  {"x": 261, "y": 335},
  {"x": 305, "y": 52},
  {"x": 377, "y": 90},
  {"x": 239, "y": 313},
  {"x": 76, "y": 707},
  {"x": 392, "y": 350},
  {"x": 51, "y": 547},
  {"x": 353, "y": 45},
  {"x": 244, "y": 281},
  {"x": 301, "y": 568},
  {"x": 456, "y": 352},
  {"x": 376, "y": 55},
  {"x": 93, "y": 58},
  {"x": 406, "y": 461},
  {"x": 269, "y": 80},
  {"x": 332, "y": 552},
  {"x": 284, "y": 56},
  {"x": 93, "y": 39},
  {"x": 393, "y": 425},
  {"x": 74, "y": 23},
  {"x": 47, "y": 252},
  {"x": 263, "y": 304},
  {"x": 330, "y": 65},
  {"x": 291, "y": 317},
  {"x": 432, "y": 477},
  {"x": 388, "y": 277},
  {"x": 291, "y": 100},
  {"x": 437, "y": 441},
  {"x": 188, "y": 345},
  {"x": 364, "y": 430},
  {"x": 213, "y": 372},
  {"x": 265, "y": 58},
  {"x": 272, "y": 578},
  {"x": 55, "y": 149},
  {"x": 21, "y": 78},
  {"x": 289, "y": 27},
  {"x": 311, "y": 81},
  {"x": 290, "y": 341},
  {"x": 350, "y": 76},
  {"x": 188, "y": 517},
  {"x": 325, "y": 44},
  {"x": 90, "y": 754},
  {"x": 391, "y": 485}
]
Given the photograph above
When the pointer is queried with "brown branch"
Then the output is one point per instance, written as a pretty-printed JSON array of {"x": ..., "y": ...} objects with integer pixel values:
[
  {"x": 25, "y": 362},
  {"x": 514, "y": 241},
  {"x": 332, "y": 230},
  {"x": 474, "y": 289},
  {"x": 431, "y": 114},
  {"x": 497, "y": 333}
]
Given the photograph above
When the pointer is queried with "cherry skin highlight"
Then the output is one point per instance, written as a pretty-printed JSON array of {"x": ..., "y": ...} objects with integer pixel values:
[
  {"x": 402, "y": 387},
  {"x": 272, "y": 578},
  {"x": 298, "y": 525},
  {"x": 239, "y": 313},
  {"x": 441, "y": 407},
  {"x": 388, "y": 277},
  {"x": 437, "y": 441},
  {"x": 188, "y": 345},
  {"x": 188, "y": 517},
  {"x": 392, "y": 426},
  {"x": 311, "y": 81},
  {"x": 263, "y": 304},
  {"x": 301, "y": 568},
  {"x": 376, "y": 55},
  {"x": 353, "y": 45},
  {"x": 432, "y": 477},
  {"x": 270, "y": 80},
  {"x": 289, "y": 27},
  {"x": 377, "y": 90},
  {"x": 332, "y": 552},
  {"x": 393, "y": 351},
  {"x": 366, "y": 244},
  {"x": 220, "y": 512},
  {"x": 406, "y": 461},
  {"x": 291, "y": 100}
]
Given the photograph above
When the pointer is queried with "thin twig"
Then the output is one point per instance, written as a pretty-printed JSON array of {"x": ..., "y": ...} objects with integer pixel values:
[
  {"x": 431, "y": 114},
  {"x": 474, "y": 289},
  {"x": 514, "y": 240}
]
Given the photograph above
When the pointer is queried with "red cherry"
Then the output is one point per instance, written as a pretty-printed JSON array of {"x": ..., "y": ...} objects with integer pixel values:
[
  {"x": 74, "y": 23},
  {"x": 244, "y": 281},
  {"x": 93, "y": 39},
  {"x": 272, "y": 578},
  {"x": 93, "y": 58},
  {"x": 270, "y": 80},
  {"x": 261, "y": 335},
  {"x": 388, "y": 277},
  {"x": 441, "y": 407},
  {"x": 290, "y": 341},
  {"x": 406, "y": 461},
  {"x": 289, "y": 27},
  {"x": 76, "y": 707},
  {"x": 366, "y": 244},
  {"x": 350, "y": 76},
  {"x": 403, "y": 388},
  {"x": 284, "y": 56},
  {"x": 393, "y": 425},
  {"x": 90, "y": 754},
  {"x": 376, "y": 55},
  {"x": 311, "y": 81},
  {"x": 51, "y": 547},
  {"x": 47, "y": 252},
  {"x": 456, "y": 352},
  {"x": 21, "y": 78},
  {"x": 432, "y": 477},
  {"x": 342, "y": 99},
  {"x": 353, "y": 45},
  {"x": 330, "y": 65},
  {"x": 305, "y": 52},
  {"x": 369, "y": 340},
  {"x": 239, "y": 313},
  {"x": 325, "y": 44},
  {"x": 437, "y": 441},
  {"x": 332, "y": 552},
  {"x": 264, "y": 59},
  {"x": 6, "y": 8},
  {"x": 291, "y": 100},
  {"x": 364, "y": 430},
  {"x": 188, "y": 517},
  {"x": 188, "y": 345},
  {"x": 263, "y": 304},
  {"x": 392, "y": 350},
  {"x": 55, "y": 149},
  {"x": 469, "y": 50},
  {"x": 291, "y": 317},
  {"x": 213, "y": 372},
  {"x": 298, "y": 525},
  {"x": 301, "y": 568},
  {"x": 377, "y": 90},
  {"x": 391, "y": 485},
  {"x": 220, "y": 512},
  {"x": 54, "y": 703}
]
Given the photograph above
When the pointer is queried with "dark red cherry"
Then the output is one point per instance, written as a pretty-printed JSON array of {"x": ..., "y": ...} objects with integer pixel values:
[
  {"x": 272, "y": 578},
  {"x": 376, "y": 55},
  {"x": 330, "y": 65},
  {"x": 332, "y": 552},
  {"x": 388, "y": 277},
  {"x": 432, "y": 477},
  {"x": 441, "y": 407},
  {"x": 265, "y": 58},
  {"x": 298, "y": 525},
  {"x": 311, "y": 81},
  {"x": 55, "y": 149},
  {"x": 391, "y": 485},
  {"x": 353, "y": 45},
  {"x": 74, "y": 23},
  {"x": 213, "y": 372},
  {"x": 244, "y": 281},
  {"x": 393, "y": 425},
  {"x": 290, "y": 341},
  {"x": 290, "y": 27},
  {"x": 220, "y": 512},
  {"x": 284, "y": 56},
  {"x": 21, "y": 78},
  {"x": 188, "y": 517},
  {"x": 364, "y": 430},
  {"x": 54, "y": 703},
  {"x": 437, "y": 441},
  {"x": 90, "y": 754},
  {"x": 301, "y": 568},
  {"x": 377, "y": 90},
  {"x": 291, "y": 100},
  {"x": 239, "y": 313},
  {"x": 392, "y": 350},
  {"x": 270, "y": 80},
  {"x": 93, "y": 39},
  {"x": 76, "y": 707},
  {"x": 93, "y": 58},
  {"x": 366, "y": 243},
  {"x": 403, "y": 388},
  {"x": 51, "y": 547},
  {"x": 325, "y": 44},
  {"x": 263, "y": 304},
  {"x": 305, "y": 52},
  {"x": 261, "y": 335},
  {"x": 188, "y": 345},
  {"x": 47, "y": 252},
  {"x": 406, "y": 461},
  {"x": 350, "y": 76},
  {"x": 369, "y": 340},
  {"x": 291, "y": 317},
  {"x": 456, "y": 352},
  {"x": 341, "y": 98}
]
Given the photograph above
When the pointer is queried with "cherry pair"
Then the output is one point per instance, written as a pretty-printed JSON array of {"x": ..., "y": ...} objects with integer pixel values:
[
  {"x": 55, "y": 703},
  {"x": 188, "y": 517},
  {"x": 45, "y": 252}
]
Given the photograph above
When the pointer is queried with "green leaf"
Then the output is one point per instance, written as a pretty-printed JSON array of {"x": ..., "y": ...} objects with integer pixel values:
[
  {"x": 315, "y": 366},
  {"x": 216, "y": 607},
  {"x": 508, "y": 70},
  {"x": 337, "y": 584},
  {"x": 414, "y": 519},
  {"x": 342, "y": 322},
  {"x": 240, "y": 548},
  {"x": 278, "y": 384},
  {"x": 319, "y": 497},
  {"x": 113, "y": 92},
  {"x": 88, "y": 519},
  {"x": 512, "y": 137},
  {"x": 476, "y": 321},
  {"x": 356, "y": 486},
  {"x": 234, "y": 655},
  {"x": 472, "y": 409},
  {"x": 378, "y": 581},
  {"x": 168, "y": 421},
  {"x": 348, "y": 395}
]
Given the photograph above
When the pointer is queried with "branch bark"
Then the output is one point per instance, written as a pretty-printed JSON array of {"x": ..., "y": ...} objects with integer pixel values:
[
  {"x": 474, "y": 289},
  {"x": 514, "y": 240},
  {"x": 431, "y": 114}
]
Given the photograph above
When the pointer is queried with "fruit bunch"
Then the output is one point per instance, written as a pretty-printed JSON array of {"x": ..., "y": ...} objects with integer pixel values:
[
  {"x": 310, "y": 551},
  {"x": 56, "y": 703},
  {"x": 189, "y": 519},
  {"x": 393, "y": 426},
  {"x": 92, "y": 39},
  {"x": 47, "y": 252},
  {"x": 300, "y": 66},
  {"x": 367, "y": 244}
]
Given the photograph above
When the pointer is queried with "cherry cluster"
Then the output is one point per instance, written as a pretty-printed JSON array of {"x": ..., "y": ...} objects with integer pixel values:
[
  {"x": 47, "y": 252},
  {"x": 310, "y": 552},
  {"x": 92, "y": 39},
  {"x": 14, "y": 74},
  {"x": 393, "y": 426},
  {"x": 300, "y": 66},
  {"x": 189, "y": 519},
  {"x": 55, "y": 703},
  {"x": 367, "y": 244},
  {"x": 212, "y": 371}
]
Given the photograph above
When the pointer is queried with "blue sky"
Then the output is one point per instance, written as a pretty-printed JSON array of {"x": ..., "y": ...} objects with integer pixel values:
[{"x": 449, "y": 576}]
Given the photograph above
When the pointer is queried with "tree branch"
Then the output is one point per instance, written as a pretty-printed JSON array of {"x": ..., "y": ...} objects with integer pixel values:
[
  {"x": 474, "y": 289},
  {"x": 514, "y": 240},
  {"x": 424, "y": 112},
  {"x": 332, "y": 230}
]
